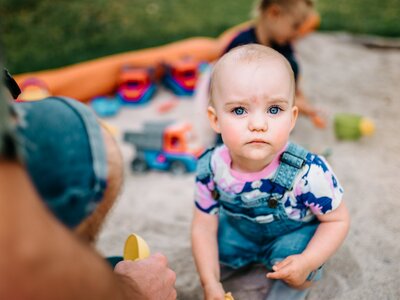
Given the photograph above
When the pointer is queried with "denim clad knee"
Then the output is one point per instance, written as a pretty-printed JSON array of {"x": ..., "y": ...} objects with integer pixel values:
[
  {"x": 254, "y": 232},
  {"x": 64, "y": 152}
]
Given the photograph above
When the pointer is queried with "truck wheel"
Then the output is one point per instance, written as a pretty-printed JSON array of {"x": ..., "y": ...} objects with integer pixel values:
[
  {"x": 177, "y": 168},
  {"x": 139, "y": 165}
]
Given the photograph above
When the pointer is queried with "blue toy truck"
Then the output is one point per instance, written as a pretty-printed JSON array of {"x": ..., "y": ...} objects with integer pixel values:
[{"x": 167, "y": 146}]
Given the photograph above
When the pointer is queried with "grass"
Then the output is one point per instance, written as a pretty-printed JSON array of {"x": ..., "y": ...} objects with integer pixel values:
[
  {"x": 46, "y": 34},
  {"x": 361, "y": 16}
]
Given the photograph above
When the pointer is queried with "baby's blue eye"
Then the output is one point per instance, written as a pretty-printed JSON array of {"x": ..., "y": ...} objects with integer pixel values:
[
  {"x": 239, "y": 111},
  {"x": 274, "y": 110}
]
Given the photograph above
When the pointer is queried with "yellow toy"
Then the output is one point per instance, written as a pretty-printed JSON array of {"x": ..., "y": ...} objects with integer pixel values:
[
  {"x": 135, "y": 248},
  {"x": 352, "y": 126}
]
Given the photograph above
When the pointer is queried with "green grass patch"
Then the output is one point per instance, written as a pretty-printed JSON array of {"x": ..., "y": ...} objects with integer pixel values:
[
  {"x": 361, "y": 16},
  {"x": 46, "y": 34}
]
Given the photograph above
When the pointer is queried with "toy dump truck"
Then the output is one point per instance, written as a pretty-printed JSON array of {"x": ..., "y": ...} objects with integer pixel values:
[
  {"x": 167, "y": 146},
  {"x": 136, "y": 85},
  {"x": 181, "y": 76}
]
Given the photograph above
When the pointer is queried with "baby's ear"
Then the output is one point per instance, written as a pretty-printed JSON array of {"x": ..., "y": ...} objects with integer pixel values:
[
  {"x": 213, "y": 118},
  {"x": 274, "y": 10},
  {"x": 295, "y": 113}
]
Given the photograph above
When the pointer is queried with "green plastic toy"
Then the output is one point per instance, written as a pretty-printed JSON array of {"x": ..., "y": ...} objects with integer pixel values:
[{"x": 352, "y": 126}]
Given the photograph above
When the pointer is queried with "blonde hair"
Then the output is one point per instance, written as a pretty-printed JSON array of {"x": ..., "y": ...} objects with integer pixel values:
[
  {"x": 261, "y": 5},
  {"x": 250, "y": 53}
]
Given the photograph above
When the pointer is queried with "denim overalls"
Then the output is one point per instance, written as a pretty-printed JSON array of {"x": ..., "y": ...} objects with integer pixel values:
[{"x": 257, "y": 229}]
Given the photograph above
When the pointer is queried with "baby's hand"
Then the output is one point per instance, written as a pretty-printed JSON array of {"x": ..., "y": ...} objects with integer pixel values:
[
  {"x": 214, "y": 291},
  {"x": 293, "y": 270},
  {"x": 318, "y": 121},
  {"x": 317, "y": 116}
]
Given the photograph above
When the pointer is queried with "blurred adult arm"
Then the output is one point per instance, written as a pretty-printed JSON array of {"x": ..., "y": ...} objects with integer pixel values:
[{"x": 41, "y": 259}]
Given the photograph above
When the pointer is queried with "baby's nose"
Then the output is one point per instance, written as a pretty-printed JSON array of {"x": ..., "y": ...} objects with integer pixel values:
[{"x": 258, "y": 122}]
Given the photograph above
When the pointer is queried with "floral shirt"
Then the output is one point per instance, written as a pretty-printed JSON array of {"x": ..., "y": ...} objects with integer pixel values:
[{"x": 316, "y": 190}]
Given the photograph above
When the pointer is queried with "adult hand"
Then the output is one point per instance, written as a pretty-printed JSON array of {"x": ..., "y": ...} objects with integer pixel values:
[
  {"x": 214, "y": 291},
  {"x": 293, "y": 270},
  {"x": 149, "y": 278}
]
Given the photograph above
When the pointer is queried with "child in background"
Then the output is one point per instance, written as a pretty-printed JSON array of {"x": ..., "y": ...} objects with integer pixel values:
[
  {"x": 277, "y": 26},
  {"x": 260, "y": 198}
]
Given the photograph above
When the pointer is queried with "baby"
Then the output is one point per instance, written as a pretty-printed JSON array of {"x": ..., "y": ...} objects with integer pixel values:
[
  {"x": 277, "y": 26},
  {"x": 260, "y": 198}
]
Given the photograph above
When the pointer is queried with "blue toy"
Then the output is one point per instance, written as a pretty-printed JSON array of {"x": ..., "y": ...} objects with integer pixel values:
[
  {"x": 181, "y": 76},
  {"x": 164, "y": 146},
  {"x": 136, "y": 85},
  {"x": 105, "y": 106}
]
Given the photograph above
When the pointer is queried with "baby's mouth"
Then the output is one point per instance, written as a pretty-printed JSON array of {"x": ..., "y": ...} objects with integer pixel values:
[{"x": 257, "y": 141}]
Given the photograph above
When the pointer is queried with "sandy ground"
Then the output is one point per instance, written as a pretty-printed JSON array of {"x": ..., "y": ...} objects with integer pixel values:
[{"x": 338, "y": 76}]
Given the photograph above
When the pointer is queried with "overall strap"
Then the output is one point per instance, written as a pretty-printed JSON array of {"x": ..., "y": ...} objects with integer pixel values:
[
  {"x": 291, "y": 162},
  {"x": 204, "y": 166}
]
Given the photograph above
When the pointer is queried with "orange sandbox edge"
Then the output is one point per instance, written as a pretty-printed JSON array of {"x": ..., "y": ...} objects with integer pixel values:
[{"x": 86, "y": 80}]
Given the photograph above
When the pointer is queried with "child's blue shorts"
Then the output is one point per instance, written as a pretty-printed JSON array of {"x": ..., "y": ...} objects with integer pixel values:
[{"x": 61, "y": 144}]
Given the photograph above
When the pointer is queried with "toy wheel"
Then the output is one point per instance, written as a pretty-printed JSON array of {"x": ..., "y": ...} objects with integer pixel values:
[
  {"x": 139, "y": 165},
  {"x": 177, "y": 168}
]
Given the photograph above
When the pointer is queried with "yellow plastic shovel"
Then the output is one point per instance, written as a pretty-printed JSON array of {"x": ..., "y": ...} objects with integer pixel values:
[{"x": 135, "y": 248}]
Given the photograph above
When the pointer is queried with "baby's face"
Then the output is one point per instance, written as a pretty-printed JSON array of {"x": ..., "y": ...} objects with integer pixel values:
[
  {"x": 253, "y": 110},
  {"x": 283, "y": 27}
]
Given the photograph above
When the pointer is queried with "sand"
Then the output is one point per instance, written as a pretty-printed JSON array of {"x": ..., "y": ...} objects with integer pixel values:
[{"x": 338, "y": 75}]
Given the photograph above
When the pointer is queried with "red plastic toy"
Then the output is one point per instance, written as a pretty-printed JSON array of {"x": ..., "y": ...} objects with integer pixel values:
[{"x": 136, "y": 85}]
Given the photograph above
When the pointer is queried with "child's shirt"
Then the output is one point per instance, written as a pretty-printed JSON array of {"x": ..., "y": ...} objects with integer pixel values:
[
  {"x": 316, "y": 190},
  {"x": 249, "y": 36}
]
